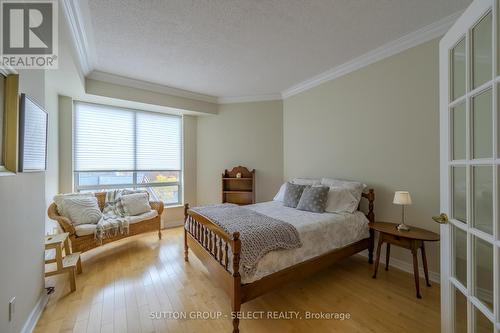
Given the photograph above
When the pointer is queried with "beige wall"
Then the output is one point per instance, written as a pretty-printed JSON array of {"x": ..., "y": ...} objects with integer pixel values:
[
  {"x": 378, "y": 125},
  {"x": 174, "y": 216},
  {"x": 67, "y": 79},
  {"x": 248, "y": 134},
  {"x": 22, "y": 216}
]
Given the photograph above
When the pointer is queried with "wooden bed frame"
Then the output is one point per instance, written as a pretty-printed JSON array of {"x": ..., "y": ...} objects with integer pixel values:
[{"x": 211, "y": 244}]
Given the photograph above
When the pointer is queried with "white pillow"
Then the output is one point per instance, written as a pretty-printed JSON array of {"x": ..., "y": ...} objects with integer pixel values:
[
  {"x": 341, "y": 200},
  {"x": 280, "y": 196},
  {"x": 82, "y": 209},
  {"x": 135, "y": 204},
  {"x": 59, "y": 200},
  {"x": 356, "y": 188},
  {"x": 306, "y": 181}
]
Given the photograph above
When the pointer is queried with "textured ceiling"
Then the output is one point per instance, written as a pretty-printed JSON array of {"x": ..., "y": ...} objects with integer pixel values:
[{"x": 232, "y": 48}]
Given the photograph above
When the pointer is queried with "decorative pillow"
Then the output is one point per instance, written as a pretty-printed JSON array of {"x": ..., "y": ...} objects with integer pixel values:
[
  {"x": 314, "y": 199},
  {"x": 59, "y": 200},
  {"x": 280, "y": 196},
  {"x": 356, "y": 188},
  {"x": 114, "y": 205},
  {"x": 135, "y": 204},
  {"x": 293, "y": 192},
  {"x": 82, "y": 210},
  {"x": 306, "y": 181},
  {"x": 341, "y": 200}
]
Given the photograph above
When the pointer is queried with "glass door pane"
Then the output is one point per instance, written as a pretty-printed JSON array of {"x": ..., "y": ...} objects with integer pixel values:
[
  {"x": 460, "y": 255},
  {"x": 483, "y": 198},
  {"x": 483, "y": 272},
  {"x": 482, "y": 323},
  {"x": 458, "y": 117},
  {"x": 460, "y": 324},
  {"x": 458, "y": 70},
  {"x": 482, "y": 125},
  {"x": 481, "y": 51},
  {"x": 459, "y": 202}
]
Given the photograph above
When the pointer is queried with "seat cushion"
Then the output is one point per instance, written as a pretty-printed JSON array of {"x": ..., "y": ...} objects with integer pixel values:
[
  {"x": 144, "y": 216},
  {"x": 89, "y": 229},
  {"x": 85, "y": 229}
]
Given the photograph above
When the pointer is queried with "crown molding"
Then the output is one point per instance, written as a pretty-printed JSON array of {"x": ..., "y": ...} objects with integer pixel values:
[
  {"x": 7, "y": 70},
  {"x": 83, "y": 48},
  {"x": 422, "y": 35},
  {"x": 85, "y": 53},
  {"x": 250, "y": 98},
  {"x": 149, "y": 86}
]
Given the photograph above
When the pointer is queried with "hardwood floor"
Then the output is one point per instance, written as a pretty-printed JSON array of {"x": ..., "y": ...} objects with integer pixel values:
[{"x": 123, "y": 282}]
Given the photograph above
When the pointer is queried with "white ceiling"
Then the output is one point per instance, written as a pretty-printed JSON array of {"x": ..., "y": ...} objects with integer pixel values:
[{"x": 229, "y": 48}]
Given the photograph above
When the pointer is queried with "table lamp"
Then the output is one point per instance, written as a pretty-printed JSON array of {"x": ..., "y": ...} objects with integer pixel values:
[{"x": 402, "y": 198}]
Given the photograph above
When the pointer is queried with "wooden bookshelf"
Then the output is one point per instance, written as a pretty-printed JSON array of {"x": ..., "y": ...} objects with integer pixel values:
[{"x": 240, "y": 191}]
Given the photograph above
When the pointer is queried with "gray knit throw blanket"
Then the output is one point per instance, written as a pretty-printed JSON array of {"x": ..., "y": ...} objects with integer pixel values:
[
  {"x": 113, "y": 221},
  {"x": 259, "y": 234}
]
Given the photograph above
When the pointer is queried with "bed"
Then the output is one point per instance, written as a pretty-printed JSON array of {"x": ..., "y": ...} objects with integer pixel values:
[{"x": 326, "y": 239}]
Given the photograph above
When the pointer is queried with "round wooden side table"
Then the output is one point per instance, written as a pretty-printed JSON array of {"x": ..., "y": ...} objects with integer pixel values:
[{"x": 412, "y": 240}]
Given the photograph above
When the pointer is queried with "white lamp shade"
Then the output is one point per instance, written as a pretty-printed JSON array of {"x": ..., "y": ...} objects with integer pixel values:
[{"x": 402, "y": 198}]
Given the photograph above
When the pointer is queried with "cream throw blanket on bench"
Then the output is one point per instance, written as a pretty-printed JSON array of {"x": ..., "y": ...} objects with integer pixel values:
[
  {"x": 259, "y": 233},
  {"x": 114, "y": 220}
]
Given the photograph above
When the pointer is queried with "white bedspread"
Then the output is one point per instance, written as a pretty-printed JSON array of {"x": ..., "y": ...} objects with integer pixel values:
[{"x": 319, "y": 233}]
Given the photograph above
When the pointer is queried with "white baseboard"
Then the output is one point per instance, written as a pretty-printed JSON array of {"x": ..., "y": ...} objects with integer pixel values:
[
  {"x": 35, "y": 314},
  {"x": 405, "y": 267}
]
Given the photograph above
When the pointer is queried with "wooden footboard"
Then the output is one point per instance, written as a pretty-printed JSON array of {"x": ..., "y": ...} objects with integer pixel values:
[
  {"x": 211, "y": 245},
  {"x": 220, "y": 253}
]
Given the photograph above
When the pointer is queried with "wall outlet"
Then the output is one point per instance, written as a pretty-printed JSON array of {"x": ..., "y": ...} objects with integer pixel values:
[{"x": 12, "y": 308}]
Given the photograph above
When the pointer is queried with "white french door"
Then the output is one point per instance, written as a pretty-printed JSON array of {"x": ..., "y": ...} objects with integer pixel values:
[{"x": 470, "y": 160}]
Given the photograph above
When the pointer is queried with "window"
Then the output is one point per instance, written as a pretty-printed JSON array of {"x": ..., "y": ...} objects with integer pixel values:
[{"x": 121, "y": 148}]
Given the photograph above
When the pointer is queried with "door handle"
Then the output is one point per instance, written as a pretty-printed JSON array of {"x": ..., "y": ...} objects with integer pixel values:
[{"x": 441, "y": 219}]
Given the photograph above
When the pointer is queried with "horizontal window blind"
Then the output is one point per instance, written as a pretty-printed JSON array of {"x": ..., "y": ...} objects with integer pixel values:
[
  {"x": 110, "y": 138},
  {"x": 33, "y": 136},
  {"x": 158, "y": 142}
]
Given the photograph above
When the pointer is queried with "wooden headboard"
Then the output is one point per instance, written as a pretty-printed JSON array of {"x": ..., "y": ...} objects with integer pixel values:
[{"x": 370, "y": 196}]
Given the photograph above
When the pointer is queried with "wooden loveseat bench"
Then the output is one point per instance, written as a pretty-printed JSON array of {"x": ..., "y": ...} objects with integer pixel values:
[{"x": 87, "y": 241}]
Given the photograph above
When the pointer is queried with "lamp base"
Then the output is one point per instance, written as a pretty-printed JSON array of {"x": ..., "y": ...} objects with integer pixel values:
[{"x": 403, "y": 227}]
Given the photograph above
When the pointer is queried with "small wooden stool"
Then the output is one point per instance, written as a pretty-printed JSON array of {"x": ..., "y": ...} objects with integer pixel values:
[{"x": 70, "y": 263}]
